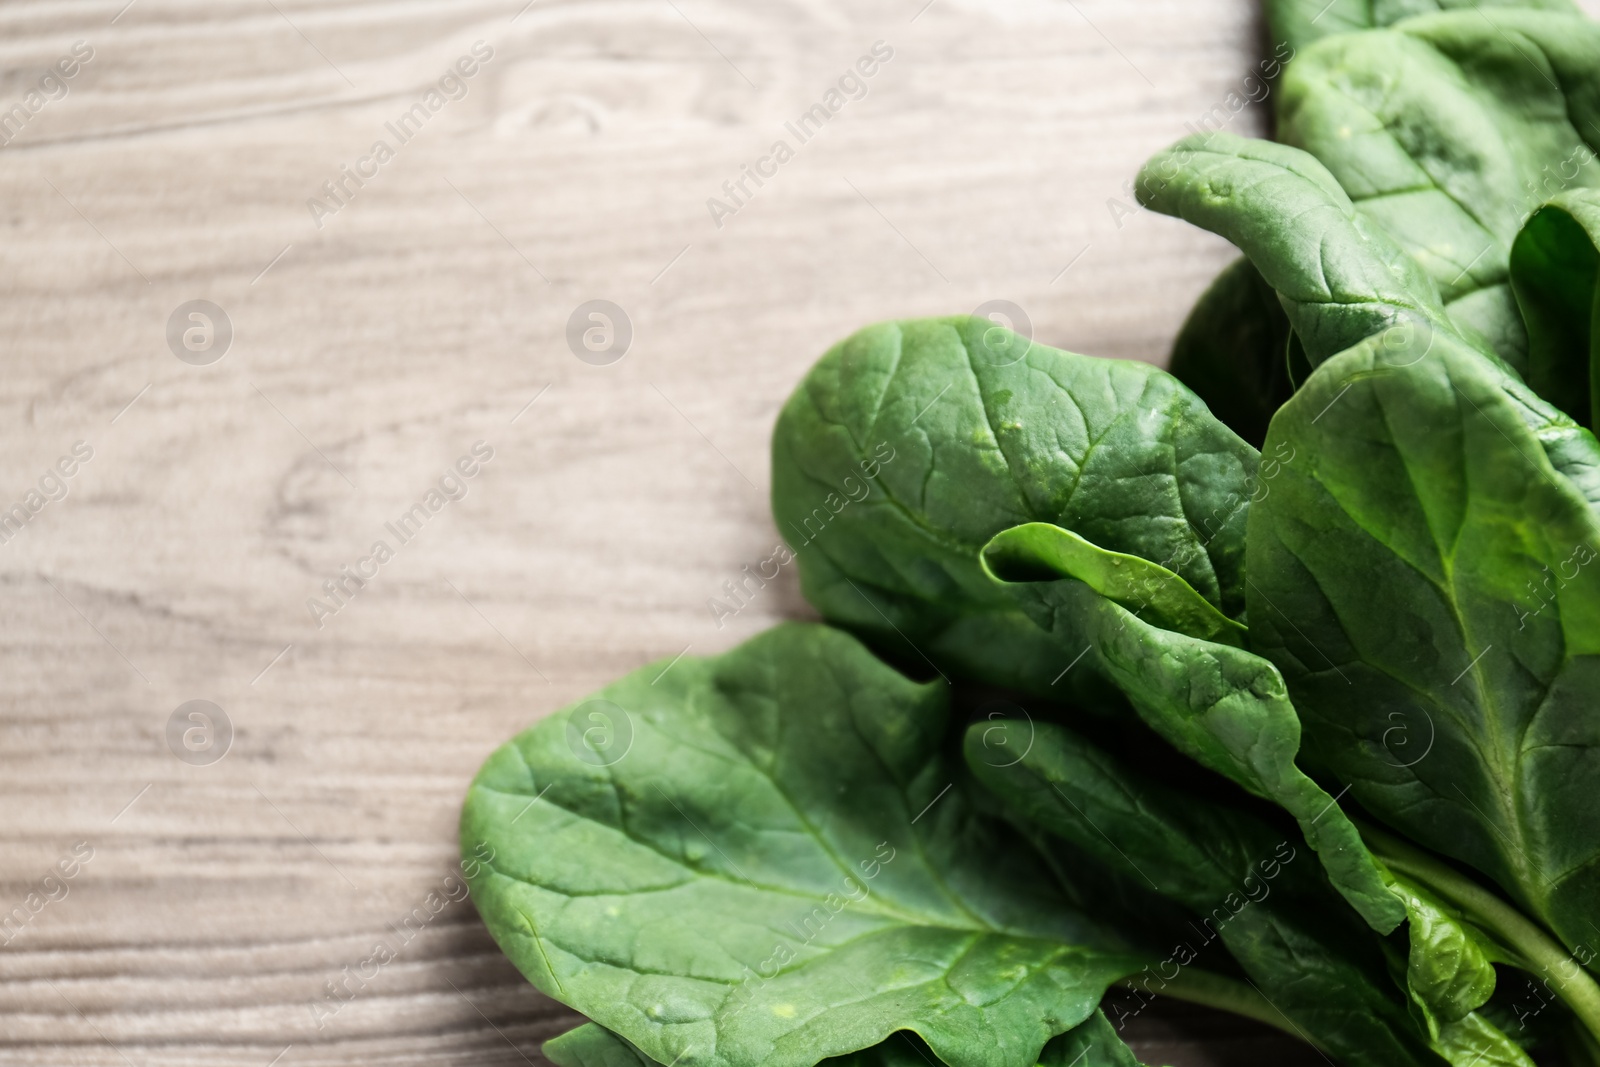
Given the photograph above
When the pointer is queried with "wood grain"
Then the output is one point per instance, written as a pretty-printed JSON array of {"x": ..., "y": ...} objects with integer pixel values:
[{"x": 425, "y": 315}]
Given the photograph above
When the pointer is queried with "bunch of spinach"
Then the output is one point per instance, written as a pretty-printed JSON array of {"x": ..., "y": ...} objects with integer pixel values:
[{"x": 1109, "y": 701}]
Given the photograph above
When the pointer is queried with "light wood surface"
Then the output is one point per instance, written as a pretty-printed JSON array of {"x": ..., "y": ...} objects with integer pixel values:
[{"x": 372, "y": 351}]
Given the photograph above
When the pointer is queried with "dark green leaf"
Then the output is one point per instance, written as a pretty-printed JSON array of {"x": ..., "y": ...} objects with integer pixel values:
[
  {"x": 1555, "y": 271},
  {"x": 1446, "y": 131},
  {"x": 1092, "y": 1043},
  {"x": 782, "y": 867},
  {"x": 1248, "y": 886},
  {"x": 910, "y": 444},
  {"x": 1340, "y": 277},
  {"x": 1221, "y": 706},
  {"x": 1233, "y": 351}
]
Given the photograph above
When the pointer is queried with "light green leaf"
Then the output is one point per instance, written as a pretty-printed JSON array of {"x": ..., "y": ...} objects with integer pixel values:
[
  {"x": 1449, "y": 975},
  {"x": 1303, "y": 22},
  {"x": 1501, "y": 934},
  {"x": 782, "y": 867},
  {"x": 595, "y": 1046},
  {"x": 1092, "y": 1043},
  {"x": 1039, "y": 551},
  {"x": 1449, "y": 969},
  {"x": 1423, "y": 479},
  {"x": 1476, "y": 1042}
]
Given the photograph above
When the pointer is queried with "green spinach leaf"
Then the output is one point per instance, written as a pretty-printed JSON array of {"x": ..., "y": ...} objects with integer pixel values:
[
  {"x": 1222, "y": 706},
  {"x": 1450, "y": 968},
  {"x": 1320, "y": 971},
  {"x": 1046, "y": 552},
  {"x": 1493, "y": 930},
  {"x": 1450, "y": 976},
  {"x": 1422, "y": 478},
  {"x": 594, "y": 1046},
  {"x": 590, "y": 1045},
  {"x": 1446, "y": 131},
  {"x": 1268, "y": 191},
  {"x": 783, "y": 867},
  {"x": 1341, "y": 279},
  {"x": 1474, "y": 1041},
  {"x": 1092, "y": 1043},
  {"x": 943, "y": 432},
  {"x": 1302, "y": 22}
]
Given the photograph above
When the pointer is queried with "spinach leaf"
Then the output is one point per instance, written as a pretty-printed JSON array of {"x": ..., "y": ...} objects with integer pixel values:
[
  {"x": 1353, "y": 296},
  {"x": 1555, "y": 271},
  {"x": 1340, "y": 277},
  {"x": 1450, "y": 969},
  {"x": 1341, "y": 280},
  {"x": 1449, "y": 976},
  {"x": 1235, "y": 351},
  {"x": 1423, "y": 478},
  {"x": 594, "y": 1046},
  {"x": 1222, "y": 706},
  {"x": 1092, "y": 1043},
  {"x": 590, "y": 1045},
  {"x": 1302, "y": 22},
  {"x": 788, "y": 864},
  {"x": 1321, "y": 971},
  {"x": 943, "y": 432},
  {"x": 1445, "y": 131},
  {"x": 1504, "y": 935},
  {"x": 1046, "y": 552},
  {"x": 1474, "y": 1041},
  {"x": 783, "y": 867}
]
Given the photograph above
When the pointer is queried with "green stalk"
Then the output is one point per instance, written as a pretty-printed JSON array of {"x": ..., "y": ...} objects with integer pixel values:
[
  {"x": 1226, "y": 994},
  {"x": 1540, "y": 953}
]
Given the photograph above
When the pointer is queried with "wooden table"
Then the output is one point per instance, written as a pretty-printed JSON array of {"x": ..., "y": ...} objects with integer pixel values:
[{"x": 380, "y": 331}]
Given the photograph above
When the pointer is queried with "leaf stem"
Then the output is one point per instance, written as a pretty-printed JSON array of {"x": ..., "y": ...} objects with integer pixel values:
[
  {"x": 1539, "y": 952},
  {"x": 1226, "y": 994}
]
